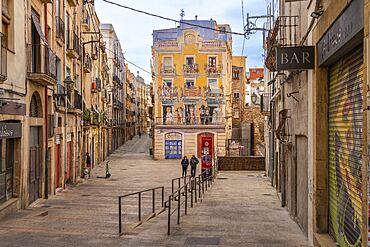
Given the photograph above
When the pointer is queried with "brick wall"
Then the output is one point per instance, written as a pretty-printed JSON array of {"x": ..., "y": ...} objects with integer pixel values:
[{"x": 255, "y": 163}]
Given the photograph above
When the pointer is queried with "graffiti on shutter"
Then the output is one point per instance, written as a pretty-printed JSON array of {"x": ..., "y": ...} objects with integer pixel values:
[{"x": 345, "y": 149}]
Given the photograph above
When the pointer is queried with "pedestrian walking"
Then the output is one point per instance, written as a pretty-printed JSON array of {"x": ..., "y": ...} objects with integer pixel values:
[
  {"x": 139, "y": 134},
  {"x": 88, "y": 165},
  {"x": 193, "y": 165},
  {"x": 184, "y": 164}
]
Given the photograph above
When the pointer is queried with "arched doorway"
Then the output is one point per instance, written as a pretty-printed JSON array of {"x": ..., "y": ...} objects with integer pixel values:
[{"x": 35, "y": 150}]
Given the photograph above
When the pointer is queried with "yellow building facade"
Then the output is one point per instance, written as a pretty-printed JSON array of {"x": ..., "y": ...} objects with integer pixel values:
[{"x": 192, "y": 88}]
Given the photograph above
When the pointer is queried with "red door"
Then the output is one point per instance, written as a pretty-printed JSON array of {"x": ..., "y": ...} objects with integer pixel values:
[{"x": 206, "y": 152}]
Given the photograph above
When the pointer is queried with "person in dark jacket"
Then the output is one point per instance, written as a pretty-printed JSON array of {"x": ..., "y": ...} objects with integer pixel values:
[
  {"x": 193, "y": 165},
  {"x": 88, "y": 160},
  {"x": 184, "y": 164}
]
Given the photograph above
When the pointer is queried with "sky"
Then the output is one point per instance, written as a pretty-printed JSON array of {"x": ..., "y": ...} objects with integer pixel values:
[{"x": 134, "y": 30}]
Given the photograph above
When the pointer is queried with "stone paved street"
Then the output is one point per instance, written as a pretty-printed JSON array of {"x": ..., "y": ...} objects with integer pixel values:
[{"x": 241, "y": 209}]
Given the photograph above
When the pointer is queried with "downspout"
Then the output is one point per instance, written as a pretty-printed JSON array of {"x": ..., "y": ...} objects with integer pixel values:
[
  {"x": 66, "y": 104},
  {"x": 46, "y": 193}
]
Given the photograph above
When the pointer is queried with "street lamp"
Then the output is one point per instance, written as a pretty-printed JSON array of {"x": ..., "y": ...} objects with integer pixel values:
[{"x": 254, "y": 98}]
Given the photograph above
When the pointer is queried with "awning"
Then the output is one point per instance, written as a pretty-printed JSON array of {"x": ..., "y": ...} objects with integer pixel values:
[{"x": 36, "y": 22}]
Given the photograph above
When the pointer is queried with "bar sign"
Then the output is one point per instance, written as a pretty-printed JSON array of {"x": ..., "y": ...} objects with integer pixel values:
[{"x": 295, "y": 58}]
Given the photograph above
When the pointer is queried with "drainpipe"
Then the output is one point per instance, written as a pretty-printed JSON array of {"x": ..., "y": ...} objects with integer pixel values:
[
  {"x": 46, "y": 193},
  {"x": 65, "y": 107}
]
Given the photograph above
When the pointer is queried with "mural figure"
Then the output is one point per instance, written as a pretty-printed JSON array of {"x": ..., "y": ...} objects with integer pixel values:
[
  {"x": 169, "y": 116},
  {"x": 179, "y": 118},
  {"x": 345, "y": 160}
]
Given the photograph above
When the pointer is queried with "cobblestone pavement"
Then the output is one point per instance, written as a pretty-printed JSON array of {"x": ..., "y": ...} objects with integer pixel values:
[{"x": 241, "y": 209}]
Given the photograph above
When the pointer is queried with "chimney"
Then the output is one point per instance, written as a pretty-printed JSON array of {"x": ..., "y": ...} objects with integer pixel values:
[{"x": 196, "y": 17}]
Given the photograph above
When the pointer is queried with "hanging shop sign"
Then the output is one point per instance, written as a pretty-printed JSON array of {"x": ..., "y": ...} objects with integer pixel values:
[
  {"x": 344, "y": 34},
  {"x": 295, "y": 58},
  {"x": 10, "y": 130}
]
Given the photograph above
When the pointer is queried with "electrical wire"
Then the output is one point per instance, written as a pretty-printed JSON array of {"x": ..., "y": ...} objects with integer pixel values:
[
  {"x": 133, "y": 64},
  {"x": 243, "y": 16},
  {"x": 170, "y": 19}
]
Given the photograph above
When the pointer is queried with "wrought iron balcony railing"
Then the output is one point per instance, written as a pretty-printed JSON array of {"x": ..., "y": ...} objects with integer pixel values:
[
  {"x": 73, "y": 44},
  {"x": 168, "y": 70},
  {"x": 213, "y": 69},
  {"x": 209, "y": 120},
  {"x": 41, "y": 63},
  {"x": 60, "y": 28},
  {"x": 191, "y": 68}
]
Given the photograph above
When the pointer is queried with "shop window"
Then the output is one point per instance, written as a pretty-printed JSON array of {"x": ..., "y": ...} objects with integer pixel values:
[{"x": 6, "y": 169}]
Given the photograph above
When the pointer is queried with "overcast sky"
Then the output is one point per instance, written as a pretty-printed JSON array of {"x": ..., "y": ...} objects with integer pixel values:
[{"x": 135, "y": 30}]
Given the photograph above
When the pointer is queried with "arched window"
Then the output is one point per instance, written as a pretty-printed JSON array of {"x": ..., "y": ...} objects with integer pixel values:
[{"x": 35, "y": 106}]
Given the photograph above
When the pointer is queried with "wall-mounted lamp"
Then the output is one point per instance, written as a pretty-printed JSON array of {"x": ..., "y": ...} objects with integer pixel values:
[{"x": 317, "y": 13}]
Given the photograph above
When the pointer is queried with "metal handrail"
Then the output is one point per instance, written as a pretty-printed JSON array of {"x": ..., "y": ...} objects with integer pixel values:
[
  {"x": 139, "y": 193},
  {"x": 196, "y": 186}
]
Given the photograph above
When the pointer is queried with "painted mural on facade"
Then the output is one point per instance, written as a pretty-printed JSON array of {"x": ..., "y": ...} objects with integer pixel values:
[{"x": 345, "y": 147}]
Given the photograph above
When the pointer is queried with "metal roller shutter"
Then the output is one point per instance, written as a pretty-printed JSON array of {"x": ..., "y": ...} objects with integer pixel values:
[{"x": 345, "y": 149}]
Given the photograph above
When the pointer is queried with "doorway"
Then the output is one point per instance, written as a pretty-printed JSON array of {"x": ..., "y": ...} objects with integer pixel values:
[{"x": 34, "y": 188}]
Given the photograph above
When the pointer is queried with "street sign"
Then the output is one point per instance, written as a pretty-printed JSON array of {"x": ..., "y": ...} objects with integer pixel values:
[{"x": 295, "y": 58}]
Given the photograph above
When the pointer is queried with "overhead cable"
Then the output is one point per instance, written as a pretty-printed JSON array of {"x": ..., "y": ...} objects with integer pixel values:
[{"x": 170, "y": 19}]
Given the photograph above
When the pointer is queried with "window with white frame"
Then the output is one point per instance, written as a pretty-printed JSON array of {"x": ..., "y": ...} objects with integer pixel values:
[
  {"x": 236, "y": 94},
  {"x": 189, "y": 61},
  {"x": 213, "y": 86},
  {"x": 189, "y": 83}
]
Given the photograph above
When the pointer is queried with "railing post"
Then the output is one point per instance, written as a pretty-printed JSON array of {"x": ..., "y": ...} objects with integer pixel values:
[
  {"x": 195, "y": 190},
  {"x": 162, "y": 196},
  {"x": 179, "y": 182},
  {"x": 139, "y": 206},
  {"x": 191, "y": 192},
  {"x": 120, "y": 215},
  {"x": 199, "y": 186},
  {"x": 172, "y": 185},
  {"x": 153, "y": 201},
  {"x": 178, "y": 206},
  {"x": 186, "y": 199},
  {"x": 169, "y": 216}
]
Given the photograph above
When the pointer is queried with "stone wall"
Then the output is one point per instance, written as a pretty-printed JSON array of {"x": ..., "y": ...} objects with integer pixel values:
[
  {"x": 251, "y": 163},
  {"x": 254, "y": 115}
]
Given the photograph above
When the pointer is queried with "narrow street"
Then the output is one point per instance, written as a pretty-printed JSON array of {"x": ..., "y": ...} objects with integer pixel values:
[{"x": 241, "y": 209}]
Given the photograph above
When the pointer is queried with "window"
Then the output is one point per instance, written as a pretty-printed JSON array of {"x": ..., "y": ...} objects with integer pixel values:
[
  {"x": 222, "y": 29},
  {"x": 167, "y": 83},
  {"x": 167, "y": 62},
  {"x": 236, "y": 95},
  {"x": 236, "y": 113},
  {"x": 190, "y": 83},
  {"x": 212, "y": 61},
  {"x": 8, "y": 23},
  {"x": 236, "y": 74},
  {"x": 189, "y": 60},
  {"x": 213, "y": 86},
  {"x": 6, "y": 169}
]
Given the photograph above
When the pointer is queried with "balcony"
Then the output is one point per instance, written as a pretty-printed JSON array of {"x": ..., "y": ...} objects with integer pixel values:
[
  {"x": 77, "y": 101},
  {"x": 213, "y": 70},
  {"x": 87, "y": 63},
  {"x": 85, "y": 17},
  {"x": 168, "y": 70},
  {"x": 191, "y": 92},
  {"x": 73, "y": 44},
  {"x": 96, "y": 85},
  {"x": 265, "y": 104},
  {"x": 60, "y": 29},
  {"x": 168, "y": 93},
  {"x": 60, "y": 100},
  {"x": 41, "y": 64},
  {"x": 190, "y": 69},
  {"x": 206, "y": 121},
  {"x": 3, "y": 58}
]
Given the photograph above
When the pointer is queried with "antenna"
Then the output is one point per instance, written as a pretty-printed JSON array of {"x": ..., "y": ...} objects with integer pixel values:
[{"x": 182, "y": 14}]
